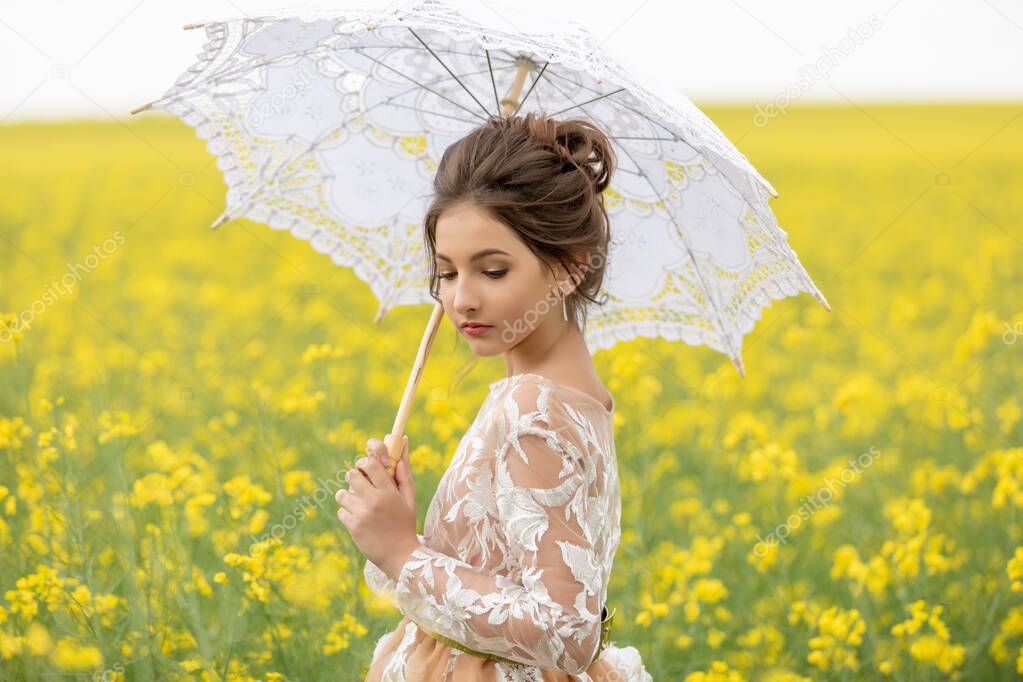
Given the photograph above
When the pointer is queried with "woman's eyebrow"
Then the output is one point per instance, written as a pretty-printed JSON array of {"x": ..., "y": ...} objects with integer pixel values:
[{"x": 481, "y": 254}]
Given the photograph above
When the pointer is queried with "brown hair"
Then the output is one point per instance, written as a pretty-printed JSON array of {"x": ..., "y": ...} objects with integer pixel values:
[{"x": 542, "y": 178}]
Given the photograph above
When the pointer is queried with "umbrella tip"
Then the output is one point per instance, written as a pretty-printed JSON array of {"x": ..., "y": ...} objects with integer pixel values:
[
  {"x": 737, "y": 361},
  {"x": 145, "y": 106},
  {"x": 220, "y": 221},
  {"x": 381, "y": 311},
  {"x": 188, "y": 27},
  {"x": 824, "y": 302}
]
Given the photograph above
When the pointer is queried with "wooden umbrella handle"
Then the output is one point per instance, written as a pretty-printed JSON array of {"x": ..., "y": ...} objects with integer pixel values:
[{"x": 394, "y": 440}]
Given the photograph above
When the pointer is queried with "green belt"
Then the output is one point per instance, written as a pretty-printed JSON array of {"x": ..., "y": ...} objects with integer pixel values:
[{"x": 605, "y": 638}]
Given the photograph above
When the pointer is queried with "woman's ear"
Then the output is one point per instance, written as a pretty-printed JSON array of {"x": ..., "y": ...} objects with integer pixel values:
[{"x": 571, "y": 274}]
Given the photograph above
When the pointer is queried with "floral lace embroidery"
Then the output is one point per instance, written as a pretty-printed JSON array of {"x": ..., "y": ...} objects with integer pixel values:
[{"x": 520, "y": 537}]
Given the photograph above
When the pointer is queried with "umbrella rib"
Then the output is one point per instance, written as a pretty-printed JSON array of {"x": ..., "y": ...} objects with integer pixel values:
[
  {"x": 531, "y": 86},
  {"x": 622, "y": 105},
  {"x": 696, "y": 268},
  {"x": 497, "y": 100},
  {"x": 432, "y": 113},
  {"x": 539, "y": 104},
  {"x": 640, "y": 137},
  {"x": 441, "y": 62},
  {"x": 457, "y": 104},
  {"x": 589, "y": 101},
  {"x": 390, "y": 101},
  {"x": 779, "y": 249},
  {"x": 677, "y": 138}
]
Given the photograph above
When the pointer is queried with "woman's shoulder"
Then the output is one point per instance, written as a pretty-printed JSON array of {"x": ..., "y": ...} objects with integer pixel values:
[
  {"x": 529, "y": 391},
  {"x": 532, "y": 405}
]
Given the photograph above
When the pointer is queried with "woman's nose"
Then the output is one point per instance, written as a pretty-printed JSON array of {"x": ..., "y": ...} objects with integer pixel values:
[{"x": 465, "y": 299}]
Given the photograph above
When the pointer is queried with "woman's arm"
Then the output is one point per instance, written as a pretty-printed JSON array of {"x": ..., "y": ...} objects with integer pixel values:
[
  {"x": 378, "y": 580},
  {"x": 550, "y": 617}
]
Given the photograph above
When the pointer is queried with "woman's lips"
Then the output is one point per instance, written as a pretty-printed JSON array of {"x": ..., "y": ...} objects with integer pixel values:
[{"x": 476, "y": 330}]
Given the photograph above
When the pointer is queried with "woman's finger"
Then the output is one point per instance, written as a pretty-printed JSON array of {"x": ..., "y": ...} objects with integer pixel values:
[
  {"x": 357, "y": 481},
  {"x": 344, "y": 500},
  {"x": 344, "y": 516},
  {"x": 386, "y": 456}
]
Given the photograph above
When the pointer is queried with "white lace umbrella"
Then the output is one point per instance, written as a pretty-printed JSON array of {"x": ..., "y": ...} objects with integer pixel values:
[{"x": 330, "y": 123}]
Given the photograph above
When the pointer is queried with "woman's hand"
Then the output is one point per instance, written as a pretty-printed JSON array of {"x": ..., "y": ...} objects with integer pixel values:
[{"x": 379, "y": 511}]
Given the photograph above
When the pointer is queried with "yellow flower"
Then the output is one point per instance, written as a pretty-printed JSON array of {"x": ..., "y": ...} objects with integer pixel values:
[
  {"x": 245, "y": 494},
  {"x": 770, "y": 462},
  {"x": 1008, "y": 413},
  {"x": 709, "y": 590},
  {"x": 338, "y": 637},
  {"x": 908, "y": 516},
  {"x": 718, "y": 672},
  {"x": 10, "y": 645},
  {"x": 691, "y": 611},
  {"x": 38, "y": 640},
  {"x": 197, "y": 513},
  {"x": 152, "y": 489},
  {"x": 764, "y": 555},
  {"x": 1015, "y": 570},
  {"x": 840, "y": 633},
  {"x": 715, "y": 637},
  {"x": 13, "y": 432},
  {"x": 1011, "y": 628},
  {"x": 298, "y": 481},
  {"x": 116, "y": 425},
  {"x": 933, "y": 648},
  {"x": 70, "y": 655}
]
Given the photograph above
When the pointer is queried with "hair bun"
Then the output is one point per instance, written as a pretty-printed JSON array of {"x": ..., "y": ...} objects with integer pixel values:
[
  {"x": 577, "y": 142},
  {"x": 564, "y": 153}
]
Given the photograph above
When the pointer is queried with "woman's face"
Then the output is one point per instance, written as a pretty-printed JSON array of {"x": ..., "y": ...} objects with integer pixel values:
[{"x": 488, "y": 275}]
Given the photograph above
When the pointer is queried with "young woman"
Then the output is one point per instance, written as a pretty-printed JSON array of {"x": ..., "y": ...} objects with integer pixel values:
[{"x": 509, "y": 579}]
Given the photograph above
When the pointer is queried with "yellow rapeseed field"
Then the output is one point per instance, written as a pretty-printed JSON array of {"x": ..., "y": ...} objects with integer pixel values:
[{"x": 178, "y": 406}]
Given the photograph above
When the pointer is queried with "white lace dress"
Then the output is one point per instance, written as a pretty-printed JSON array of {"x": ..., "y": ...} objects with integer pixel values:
[{"x": 519, "y": 541}]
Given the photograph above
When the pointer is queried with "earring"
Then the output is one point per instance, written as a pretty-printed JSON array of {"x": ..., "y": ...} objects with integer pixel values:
[{"x": 564, "y": 309}]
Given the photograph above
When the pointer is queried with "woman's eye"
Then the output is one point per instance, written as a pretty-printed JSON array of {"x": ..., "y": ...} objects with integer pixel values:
[{"x": 493, "y": 274}]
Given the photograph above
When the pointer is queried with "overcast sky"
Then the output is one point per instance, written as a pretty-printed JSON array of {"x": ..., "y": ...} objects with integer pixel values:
[{"x": 101, "y": 59}]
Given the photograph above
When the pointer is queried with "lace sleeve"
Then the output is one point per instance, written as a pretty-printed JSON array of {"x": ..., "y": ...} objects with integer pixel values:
[
  {"x": 550, "y": 616},
  {"x": 380, "y": 582}
]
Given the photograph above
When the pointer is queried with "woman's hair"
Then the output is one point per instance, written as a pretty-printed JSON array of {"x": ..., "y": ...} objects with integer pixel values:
[{"x": 544, "y": 179}]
